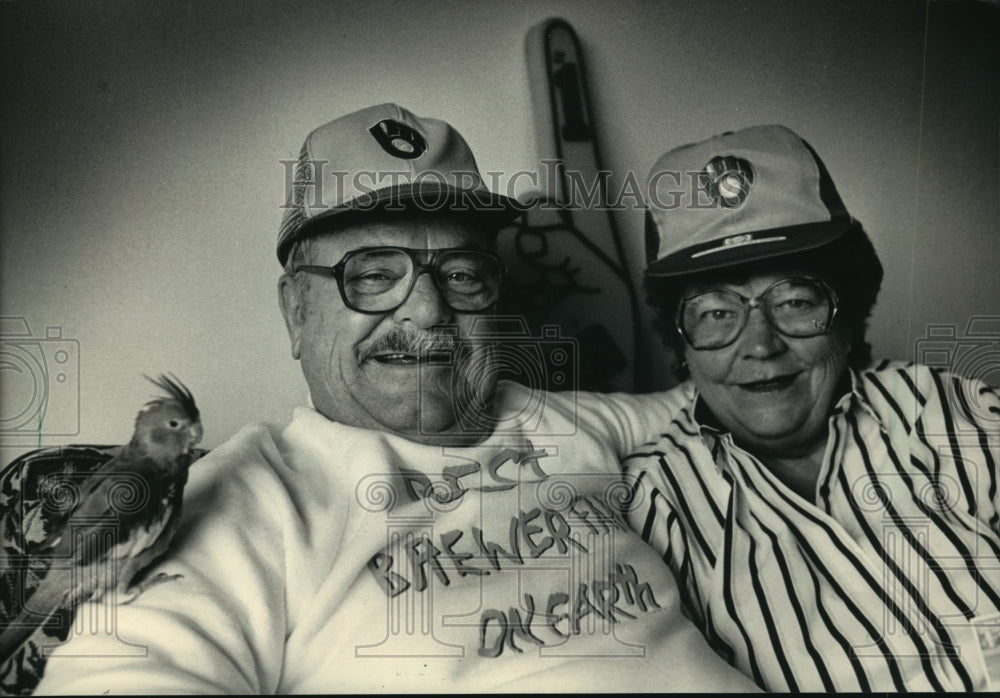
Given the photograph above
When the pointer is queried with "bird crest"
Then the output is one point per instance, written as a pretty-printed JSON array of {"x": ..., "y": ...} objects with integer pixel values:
[{"x": 176, "y": 392}]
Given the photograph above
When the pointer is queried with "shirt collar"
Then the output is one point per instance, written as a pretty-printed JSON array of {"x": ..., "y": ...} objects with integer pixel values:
[{"x": 856, "y": 396}]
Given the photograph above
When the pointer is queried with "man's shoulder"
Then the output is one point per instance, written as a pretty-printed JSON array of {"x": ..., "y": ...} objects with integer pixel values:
[
  {"x": 622, "y": 421},
  {"x": 253, "y": 441},
  {"x": 248, "y": 457},
  {"x": 582, "y": 402}
]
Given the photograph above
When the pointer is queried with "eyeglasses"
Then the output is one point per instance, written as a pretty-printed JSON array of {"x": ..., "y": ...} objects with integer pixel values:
[
  {"x": 379, "y": 279},
  {"x": 799, "y": 307}
]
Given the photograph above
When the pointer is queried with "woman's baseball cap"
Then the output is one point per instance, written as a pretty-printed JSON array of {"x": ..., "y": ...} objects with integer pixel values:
[
  {"x": 385, "y": 158},
  {"x": 739, "y": 197}
]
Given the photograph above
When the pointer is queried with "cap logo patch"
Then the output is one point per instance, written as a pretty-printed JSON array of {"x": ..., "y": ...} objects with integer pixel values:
[
  {"x": 399, "y": 140},
  {"x": 727, "y": 180},
  {"x": 738, "y": 240}
]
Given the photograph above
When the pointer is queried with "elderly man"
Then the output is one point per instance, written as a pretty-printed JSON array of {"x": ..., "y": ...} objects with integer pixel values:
[
  {"x": 419, "y": 527},
  {"x": 832, "y": 523}
]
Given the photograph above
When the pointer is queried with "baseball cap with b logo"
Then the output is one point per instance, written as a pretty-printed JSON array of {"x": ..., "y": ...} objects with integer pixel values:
[
  {"x": 385, "y": 158},
  {"x": 738, "y": 197}
]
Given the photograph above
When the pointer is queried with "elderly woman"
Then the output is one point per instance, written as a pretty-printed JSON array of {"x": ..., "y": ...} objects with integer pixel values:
[{"x": 832, "y": 523}]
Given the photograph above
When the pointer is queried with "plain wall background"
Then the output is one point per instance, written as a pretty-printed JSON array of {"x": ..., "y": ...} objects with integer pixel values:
[{"x": 141, "y": 177}]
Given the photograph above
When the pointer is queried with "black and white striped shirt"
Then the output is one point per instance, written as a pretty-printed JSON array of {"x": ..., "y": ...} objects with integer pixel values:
[{"x": 876, "y": 584}]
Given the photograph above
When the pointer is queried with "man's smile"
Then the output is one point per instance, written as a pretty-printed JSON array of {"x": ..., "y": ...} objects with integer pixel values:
[{"x": 431, "y": 358}]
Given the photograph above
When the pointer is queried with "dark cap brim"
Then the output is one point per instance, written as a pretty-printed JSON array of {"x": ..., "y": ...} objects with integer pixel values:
[
  {"x": 762, "y": 244},
  {"x": 494, "y": 210}
]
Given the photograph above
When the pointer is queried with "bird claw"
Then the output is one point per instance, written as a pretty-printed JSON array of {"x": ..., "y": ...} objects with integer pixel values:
[{"x": 133, "y": 592}]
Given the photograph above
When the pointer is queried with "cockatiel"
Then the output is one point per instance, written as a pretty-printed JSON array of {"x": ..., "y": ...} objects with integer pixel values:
[{"x": 128, "y": 512}]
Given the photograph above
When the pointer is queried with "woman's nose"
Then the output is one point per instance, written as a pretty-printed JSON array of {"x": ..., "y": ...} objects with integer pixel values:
[{"x": 760, "y": 339}]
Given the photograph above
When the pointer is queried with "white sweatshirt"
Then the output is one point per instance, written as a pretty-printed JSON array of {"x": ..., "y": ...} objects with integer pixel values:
[{"x": 324, "y": 558}]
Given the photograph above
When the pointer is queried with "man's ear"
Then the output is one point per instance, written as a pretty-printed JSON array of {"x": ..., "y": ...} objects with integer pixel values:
[{"x": 293, "y": 309}]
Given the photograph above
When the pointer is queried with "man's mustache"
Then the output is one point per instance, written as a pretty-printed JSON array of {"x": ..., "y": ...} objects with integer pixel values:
[{"x": 400, "y": 340}]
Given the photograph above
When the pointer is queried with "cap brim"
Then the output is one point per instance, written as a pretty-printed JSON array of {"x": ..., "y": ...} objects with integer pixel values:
[
  {"x": 494, "y": 210},
  {"x": 763, "y": 244}
]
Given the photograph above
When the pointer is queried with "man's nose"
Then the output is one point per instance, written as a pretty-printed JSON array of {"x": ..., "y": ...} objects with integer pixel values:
[
  {"x": 424, "y": 307},
  {"x": 760, "y": 339}
]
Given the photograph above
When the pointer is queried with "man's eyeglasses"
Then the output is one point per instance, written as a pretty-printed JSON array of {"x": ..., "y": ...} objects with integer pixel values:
[
  {"x": 798, "y": 307},
  {"x": 379, "y": 279}
]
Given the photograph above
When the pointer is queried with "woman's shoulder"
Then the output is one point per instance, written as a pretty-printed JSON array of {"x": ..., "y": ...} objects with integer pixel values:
[{"x": 914, "y": 388}]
